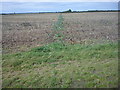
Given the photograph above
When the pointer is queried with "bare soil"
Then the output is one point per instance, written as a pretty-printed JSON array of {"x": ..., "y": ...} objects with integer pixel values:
[{"x": 24, "y": 31}]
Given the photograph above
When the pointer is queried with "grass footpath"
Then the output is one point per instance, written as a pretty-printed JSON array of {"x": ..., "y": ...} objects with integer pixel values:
[
  {"x": 55, "y": 65},
  {"x": 58, "y": 26}
]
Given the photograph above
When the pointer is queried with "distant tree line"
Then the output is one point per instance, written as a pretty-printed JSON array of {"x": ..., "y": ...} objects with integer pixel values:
[{"x": 68, "y": 11}]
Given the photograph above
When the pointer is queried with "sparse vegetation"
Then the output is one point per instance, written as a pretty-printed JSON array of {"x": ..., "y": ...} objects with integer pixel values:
[{"x": 57, "y": 28}]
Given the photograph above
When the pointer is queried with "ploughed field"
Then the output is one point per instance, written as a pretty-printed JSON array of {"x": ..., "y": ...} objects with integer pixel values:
[
  {"x": 29, "y": 30},
  {"x": 65, "y": 50}
]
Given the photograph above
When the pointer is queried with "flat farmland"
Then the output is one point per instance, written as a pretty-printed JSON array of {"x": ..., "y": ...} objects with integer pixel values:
[
  {"x": 23, "y": 31},
  {"x": 60, "y": 50}
]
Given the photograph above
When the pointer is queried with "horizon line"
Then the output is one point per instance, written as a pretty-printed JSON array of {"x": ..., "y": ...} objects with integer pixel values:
[{"x": 57, "y": 11}]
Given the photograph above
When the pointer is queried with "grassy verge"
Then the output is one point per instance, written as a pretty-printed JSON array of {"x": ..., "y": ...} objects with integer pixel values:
[{"x": 56, "y": 65}]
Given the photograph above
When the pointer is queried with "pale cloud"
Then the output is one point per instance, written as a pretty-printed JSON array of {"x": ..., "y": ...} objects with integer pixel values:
[
  {"x": 60, "y": 0},
  {"x": 23, "y": 7}
]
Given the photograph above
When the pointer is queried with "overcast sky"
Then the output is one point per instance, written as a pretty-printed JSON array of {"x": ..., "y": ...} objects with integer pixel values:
[
  {"x": 22, "y": 7},
  {"x": 60, "y": 0}
]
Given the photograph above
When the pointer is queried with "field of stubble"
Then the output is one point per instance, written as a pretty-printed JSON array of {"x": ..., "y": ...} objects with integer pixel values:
[{"x": 77, "y": 50}]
